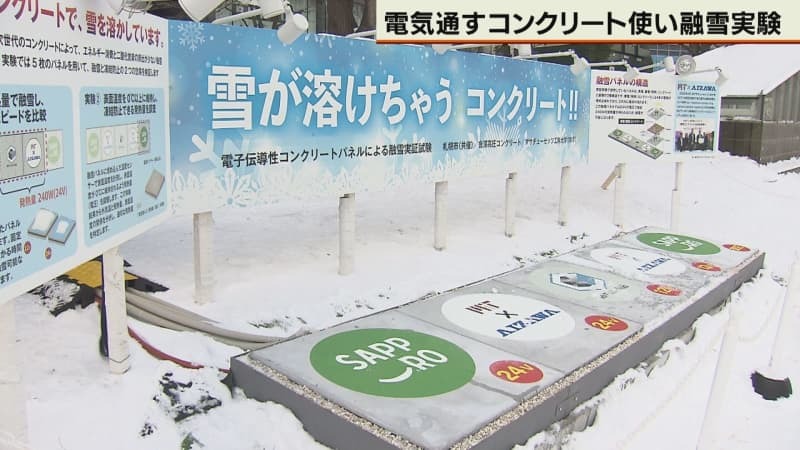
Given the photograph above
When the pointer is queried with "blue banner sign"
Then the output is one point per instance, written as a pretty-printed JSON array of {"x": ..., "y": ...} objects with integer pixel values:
[{"x": 255, "y": 121}]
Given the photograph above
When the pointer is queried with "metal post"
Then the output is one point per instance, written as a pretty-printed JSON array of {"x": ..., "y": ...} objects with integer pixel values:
[
  {"x": 716, "y": 400},
  {"x": 784, "y": 346},
  {"x": 347, "y": 233},
  {"x": 511, "y": 203},
  {"x": 619, "y": 196},
  {"x": 116, "y": 311},
  {"x": 440, "y": 216},
  {"x": 563, "y": 204},
  {"x": 203, "y": 257},
  {"x": 675, "y": 216},
  {"x": 13, "y": 414}
]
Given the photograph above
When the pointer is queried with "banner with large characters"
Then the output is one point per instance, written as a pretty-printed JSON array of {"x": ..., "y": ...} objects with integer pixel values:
[{"x": 255, "y": 121}]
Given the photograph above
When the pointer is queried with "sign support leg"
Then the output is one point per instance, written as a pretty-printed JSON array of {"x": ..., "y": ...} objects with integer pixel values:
[
  {"x": 116, "y": 311},
  {"x": 619, "y": 196},
  {"x": 511, "y": 203},
  {"x": 13, "y": 415},
  {"x": 440, "y": 216},
  {"x": 675, "y": 216},
  {"x": 203, "y": 257},
  {"x": 563, "y": 204},
  {"x": 347, "y": 233}
]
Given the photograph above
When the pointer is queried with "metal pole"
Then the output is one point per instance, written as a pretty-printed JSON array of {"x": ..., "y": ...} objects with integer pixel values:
[
  {"x": 619, "y": 196},
  {"x": 13, "y": 414},
  {"x": 440, "y": 216},
  {"x": 716, "y": 400},
  {"x": 784, "y": 345},
  {"x": 347, "y": 233},
  {"x": 116, "y": 311},
  {"x": 203, "y": 257},
  {"x": 511, "y": 203},
  {"x": 563, "y": 204}
]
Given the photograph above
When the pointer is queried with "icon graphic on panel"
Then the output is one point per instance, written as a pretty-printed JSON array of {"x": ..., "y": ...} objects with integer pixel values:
[
  {"x": 154, "y": 184},
  {"x": 92, "y": 145},
  {"x": 55, "y": 157},
  {"x": 48, "y": 224},
  {"x": 577, "y": 281}
]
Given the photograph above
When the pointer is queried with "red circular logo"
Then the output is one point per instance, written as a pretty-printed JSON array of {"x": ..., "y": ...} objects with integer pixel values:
[
  {"x": 516, "y": 371},
  {"x": 663, "y": 289},
  {"x": 48, "y": 253},
  {"x": 736, "y": 248},
  {"x": 606, "y": 323},
  {"x": 27, "y": 247},
  {"x": 708, "y": 267}
]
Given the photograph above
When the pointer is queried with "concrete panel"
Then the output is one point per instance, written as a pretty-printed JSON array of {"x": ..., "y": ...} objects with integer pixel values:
[
  {"x": 394, "y": 360},
  {"x": 596, "y": 289},
  {"x": 554, "y": 332},
  {"x": 489, "y": 365},
  {"x": 705, "y": 256},
  {"x": 659, "y": 272}
]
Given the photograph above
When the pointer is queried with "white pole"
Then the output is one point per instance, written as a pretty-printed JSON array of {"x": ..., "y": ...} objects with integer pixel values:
[
  {"x": 610, "y": 178},
  {"x": 440, "y": 216},
  {"x": 203, "y": 257},
  {"x": 716, "y": 400},
  {"x": 619, "y": 196},
  {"x": 116, "y": 311},
  {"x": 13, "y": 414},
  {"x": 675, "y": 216},
  {"x": 347, "y": 233},
  {"x": 511, "y": 203},
  {"x": 784, "y": 344},
  {"x": 563, "y": 204}
]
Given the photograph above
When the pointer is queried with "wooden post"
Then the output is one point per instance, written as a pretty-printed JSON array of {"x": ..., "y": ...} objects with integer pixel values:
[
  {"x": 675, "y": 210},
  {"x": 440, "y": 216},
  {"x": 203, "y": 257},
  {"x": 619, "y": 196},
  {"x": 511, "y": 203},
  {"x": 563, "y": 203},
  {"x": 347, "y": 233},
  {"x": 116, "y": 311}
]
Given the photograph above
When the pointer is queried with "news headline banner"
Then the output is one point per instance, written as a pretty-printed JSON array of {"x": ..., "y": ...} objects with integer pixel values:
[{"x": 680, "y": 21}]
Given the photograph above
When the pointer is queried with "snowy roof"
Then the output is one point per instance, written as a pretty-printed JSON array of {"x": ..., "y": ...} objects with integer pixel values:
[{"x": 743, "y": 66}]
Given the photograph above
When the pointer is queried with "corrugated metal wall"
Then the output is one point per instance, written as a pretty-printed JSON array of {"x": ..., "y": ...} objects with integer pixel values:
[{"x": 773, "y": 138}]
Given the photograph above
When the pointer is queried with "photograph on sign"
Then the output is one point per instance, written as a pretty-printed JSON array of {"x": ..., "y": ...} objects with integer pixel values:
[{"x": 697, "y": 109}]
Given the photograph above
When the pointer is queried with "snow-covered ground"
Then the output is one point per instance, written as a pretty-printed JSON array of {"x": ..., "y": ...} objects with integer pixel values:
[{"x": 276, "y": 273}]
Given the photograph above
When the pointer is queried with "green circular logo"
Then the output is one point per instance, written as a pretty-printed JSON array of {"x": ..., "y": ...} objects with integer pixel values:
[
  {"x": 144, "y": 137},
  {"x": 392, "y": 363},
  {"x": 93, "y": 145},
  {"x": 678, "y": 243},
  {"x": 53, "y": 150}
]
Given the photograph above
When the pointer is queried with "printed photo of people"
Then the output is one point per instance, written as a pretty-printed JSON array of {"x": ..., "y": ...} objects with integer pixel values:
[{"x": 694, "y": 135}]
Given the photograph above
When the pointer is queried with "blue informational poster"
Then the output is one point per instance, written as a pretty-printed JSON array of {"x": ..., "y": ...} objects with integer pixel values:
[
  {"x": 84, "y": 154},
  {"x": 255, "y": 121}
]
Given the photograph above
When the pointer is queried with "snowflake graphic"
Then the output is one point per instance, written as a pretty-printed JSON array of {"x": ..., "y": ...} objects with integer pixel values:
[
  {"x": 191, "y": 35},
  {"x": 236, "y": 190}
]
